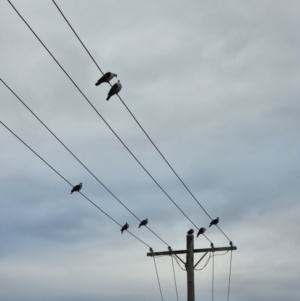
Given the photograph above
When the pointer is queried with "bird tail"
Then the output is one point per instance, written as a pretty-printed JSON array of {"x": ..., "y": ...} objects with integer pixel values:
[
  {"x": 210, "y": 225},
  {"x": 108, "y": 97},
  {"x": 139, "y": 226},
  {"x": 71, "y": 192},
  {"x": 122, "y": 231},
  {"x": 98, "y": 83}
]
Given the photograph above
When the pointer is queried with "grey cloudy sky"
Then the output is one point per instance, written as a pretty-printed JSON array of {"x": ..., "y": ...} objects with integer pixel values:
[{"x": 216, "y": 86}]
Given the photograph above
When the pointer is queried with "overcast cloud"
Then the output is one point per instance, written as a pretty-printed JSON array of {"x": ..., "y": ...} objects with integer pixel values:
[{"x": 216, "y": 86}]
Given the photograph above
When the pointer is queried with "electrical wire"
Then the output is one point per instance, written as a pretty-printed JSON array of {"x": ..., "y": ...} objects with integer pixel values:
[
  {"x": 174, "y": 278},
  {"x": 163, "y": 157},
  {"x": 158, "y": 279},
  {"x": 70, "y": 183},
  {"x": 207, "y": 238},
  {"x": 100, "y": 115},
  {"x": 207, "y": 261},
  {"x": 221, "y": 254},
  {"x": 178, "y": 263},
  {"x": 229, "y": 277},
  {"x": 77, "y": 158},
  {"x": 212, "y": 283}
]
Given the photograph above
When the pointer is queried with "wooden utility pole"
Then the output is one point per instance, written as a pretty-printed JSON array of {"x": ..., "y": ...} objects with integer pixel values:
[
  {"x": 190, "y": 267},
  {"x": 189, "y": 264}
]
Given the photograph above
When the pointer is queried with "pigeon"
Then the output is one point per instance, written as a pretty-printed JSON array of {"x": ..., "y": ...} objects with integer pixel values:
[
  {"x": 116, "y": 88},
  {"x": 106, "y": 78},
  {"x": 201, "y": 231},
  {"x": 76, "y": 188},
  {"x": 190, "y": 232},
  {"x": 214, "y": 222},
  {"x": 125, "y": 227},
  {"x": 144, "y": 222}
]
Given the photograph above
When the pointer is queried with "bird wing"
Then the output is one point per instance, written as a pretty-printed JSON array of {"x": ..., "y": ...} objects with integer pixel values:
[
  {"x": 107, "y": 75},
  {"x": 113, "y": 89}
]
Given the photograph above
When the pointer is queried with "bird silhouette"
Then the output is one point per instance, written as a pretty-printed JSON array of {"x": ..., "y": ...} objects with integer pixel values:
[
  {"x": 143, "y": 223},
  {"x": 214, "y": 222},
  {"x": 105, "y": 78},
  {"x": 76, "y": 188},
  {"x": 125, "y": 227},
  {"x": 190, "y": 232},
  {"x": 201, "y": 231},
  {"x": 115, "y": 89}
]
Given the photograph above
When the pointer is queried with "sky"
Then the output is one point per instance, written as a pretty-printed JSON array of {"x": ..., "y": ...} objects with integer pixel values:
[{"x": 215, "y": 84}]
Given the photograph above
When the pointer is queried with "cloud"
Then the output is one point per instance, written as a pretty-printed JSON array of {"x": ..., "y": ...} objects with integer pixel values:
[{"x": 214, "y": 84}]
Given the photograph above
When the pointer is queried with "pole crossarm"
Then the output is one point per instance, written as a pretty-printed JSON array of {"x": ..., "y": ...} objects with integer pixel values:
[
  {"x": 200, "y": 259},
  {"x": 180, "y": 259},
  {"x": 189, "y": 264},
  {"x": 233, "y": 248}
]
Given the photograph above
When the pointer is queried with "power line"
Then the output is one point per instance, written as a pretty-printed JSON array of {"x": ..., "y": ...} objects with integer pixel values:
[
  {"x": 207, "y": 261},
  {"x": 178, "y": 262},
  {"x": 212, "y": 283},
  {"x": 158, "y": 279},
  {"x": 229, "y": 276},
  {"x": 174, "y": 278},
  {"x": 78, "y": 37},
  {"x": 221, "y": 254},
  {"x": 101, "y": 115},
  {"x": 77, "y": 158},
  {"x": 176, "y": 174},
  {"x": 207, "y": 238},
  {"x": 70, "y": 183},
  {"x": 210, "y": 256}
]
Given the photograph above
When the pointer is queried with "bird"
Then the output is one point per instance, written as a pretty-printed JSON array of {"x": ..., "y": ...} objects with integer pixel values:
[
  {"x": 144, "y": 222},
  {"x": 169, "y": 248},
  {"x": 116, "y": 88},
  {"x": 214, "y": 222},
  {"x": 151, "y": 250},
  {"x": 201, "y": 231},
  {"x": 212, "y": 245},
  {"x": 125, "y": 227},
  {"x": 190, "y": 232},
  {"x": 76, "y": 188},
  {"x": 106, "y": 78}
]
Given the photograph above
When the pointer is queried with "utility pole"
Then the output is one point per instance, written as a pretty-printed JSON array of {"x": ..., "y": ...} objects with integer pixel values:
[
  {"x": 189, "y": 264},
  {"x": 190, "y": 267}
]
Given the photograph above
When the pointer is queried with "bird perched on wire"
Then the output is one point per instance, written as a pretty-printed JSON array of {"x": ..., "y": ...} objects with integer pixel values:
[
  {"x": 143, "y": 223},
  {"x": 214, "y": 222},
  {"x": 106, "y": 78},
  {"x": 201, "y": 231},
  {"x": 76, "y": 188},
  {"x": 115, "y": 89},
  {"x": 125, "y": 227},
  {"x": 190, "y": 232}
]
